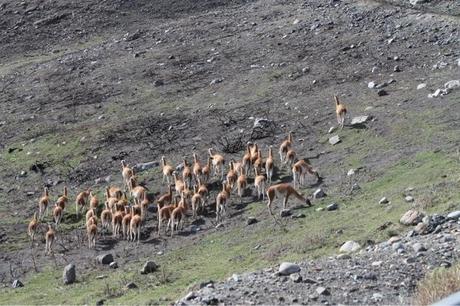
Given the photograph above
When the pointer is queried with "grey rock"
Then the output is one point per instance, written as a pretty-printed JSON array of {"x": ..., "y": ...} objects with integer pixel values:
[
  {"x": 359, "y": 120},
  {"x": 131, "y": 285},
  {"x": 158, "y": 83},
  {"x": 411, "y": 217},
  {"x": 236, "y": 278},
  {"x": 295, "y": 277},
  {"x": 285, "y": 213},
  {"x": 377, "y": 297},
  {"x": 69, "y": 275},
  {"x": 371, "y": 85},
  {"x": 298, "y": 216},
  {"x": 409, "y": 199},
  {"x": 104, "y": 259},
  {"x": 331, "y": 129},
  {"x": 421, "y": 86},
  {"x": 113, "y": 265},
  {"x": 397, "y": 68},
  {"x": 454, "y": 215},
  {"x": 355, "y": 187},
  {"x": 322, "y": 291},
  {"x": 17, "y": 284},
  {"x": 382, "y": 92},
  {"x": 149, "y": 267},
  {"x": 351, "y": 172},
  {"x": 319, "y": 193},
  {"x": 333, "y": 206},
  {"x": 287, "y": 268},
  {"x": 343, "y": 256},
  {"x": 370, "y": 276},
  {"x": 397, "y": 246},
  {"x": 349, "y": 247},
  {"x": 384, "y": 200},
  {"x": 452, "y": 84},
  {"x": 418, "y": 247},
  {"x": 190, "y": 296},
  {"x": 216, "y": 81},
  {"x": 146, "y": 166},
  {"x": 251, "y": 220},
  {"x": 334, "y": 140}
]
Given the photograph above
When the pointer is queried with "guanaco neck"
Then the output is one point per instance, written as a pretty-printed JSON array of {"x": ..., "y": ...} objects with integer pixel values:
[
  {"x": 336, "y": 100},
  {"x": 290, "y": 137},
  {"x": 163, "y": 161}
]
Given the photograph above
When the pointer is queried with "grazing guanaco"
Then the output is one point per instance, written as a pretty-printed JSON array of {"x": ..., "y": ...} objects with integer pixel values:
[
  {"x": 81, "y": 200},
  {"x": 137, "y": 191},
  {"x": 165, "y": 199},
  {"x": 93, "y": 201},
  {"x": 117, "y": 220},
  {"x": 340, "y": 111},
  {"x": 106, "y": 217},
  {"x": 178, "y": 215},
  {"x": 283, "y": 190},
  {"x": 167, "y": 170},
  {"x": 57, "y": 214},
  {"x": 299, "y": 171},
  {"x": 232, "y": 175},
  {"x": 206, "y": 171},
  {"x": 221, "y": 200},
  {"x": 43, "y": 204},
  {"x": 91, "y": 231},
  {"x": 135, "y": 228},
  {"x": 197, "y": 169},
  {"x": 63, "y": 199},
  {"x": 50, "y": 236},
  {"x": 126, "y": 173},
  {"x": 218, "y": 162},
  {"x": 126, "y": 222},
  {"x": 260, "y": 182},
  {"x": 246, "y": 161},
  {"x": 197, "y": 202},
  {"x": 179, "y": 184},
  {"x": 285, "y": 146},
  {"x": 241, "y": 184},
  {"x": 187, "y": 174},
  {"x": 33, "y": 226},
  {"x": 291, "y": 157},
  {"x": 269, "y": 165}
]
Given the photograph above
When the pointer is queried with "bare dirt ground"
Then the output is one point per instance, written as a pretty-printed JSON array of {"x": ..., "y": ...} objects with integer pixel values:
[{"x": 85, "y": 84}]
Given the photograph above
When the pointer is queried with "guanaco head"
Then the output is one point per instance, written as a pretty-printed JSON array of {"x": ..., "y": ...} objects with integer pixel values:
[
  {"x": 46, "y": 192},
  {"x": 185, "y": 163},
  {"x": 123, "y": 163}
]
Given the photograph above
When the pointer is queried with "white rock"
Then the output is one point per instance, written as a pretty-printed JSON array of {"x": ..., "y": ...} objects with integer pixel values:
[
  {"x": 331, "y": 129},
  {"x": 351, "y": 172},
  {"x": 454, "y": 215},
  {"x": 437, "y": 93},
  {"x": 409, "y": 199},
  {"x": 359, "y": 120},
  {"x": 349, "y": 247},
  {"x": 371, "y": 85},
  {"x": 421, "y": 86},
  {"x": 296, "y": 21},
  {"x": 287, "y": 268},
  {"x": 377, "y": 263},
  {"x": 384, "y": 200},
  {"x": 319, "y": 193},
  {"x": 334, "y": 140},
  {"x": 452, "y": 84}
]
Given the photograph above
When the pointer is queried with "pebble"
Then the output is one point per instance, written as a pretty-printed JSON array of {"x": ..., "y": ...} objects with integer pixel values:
[
  {"x": 287, "y": 268},
  {"x": 409, "y": 199},
  {"x": 334, "y": 140}
]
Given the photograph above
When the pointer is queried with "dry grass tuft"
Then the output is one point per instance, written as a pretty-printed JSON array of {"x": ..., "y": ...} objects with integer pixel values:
[{"x": 437, "y": 285}]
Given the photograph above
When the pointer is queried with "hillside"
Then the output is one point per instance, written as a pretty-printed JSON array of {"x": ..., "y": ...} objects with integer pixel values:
[{"x": 84, "y": 85}]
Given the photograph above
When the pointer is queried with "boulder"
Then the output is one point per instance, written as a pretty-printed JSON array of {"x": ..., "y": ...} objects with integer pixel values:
[
  {"x": 409, "y": 199},
  {"x": 146, "y": 166},
  {"x": 131, "y": 285},
  {"x": 421, "y": 86},
  {"x": 319, "y": 193},
  {"x": 322, "y": 291},
  {"x": 295, "y": 277},
  {"x": 454, "y": 215},
  {"x": 149, "y": 267},
  {"x": 334, "y": 140},
  {"x": 251, "y": 220},
  {"x": 333, "y": 206},
  {"x": 104, "y": 259},
  {"x": 452, "y": 84},
  {"x": 418, "y": 247},
  {"x": 69, "y": 275},
  {"x": 113, "y": 265},
  {"x": 349, "y": 247},
  {"x": 287, "y": 268},
  {"x": 285, "y": 213},
  {"x": 411, "y": 217},
  {"x": 359, "y": 120},
  {"x": 17, "y": 284}
]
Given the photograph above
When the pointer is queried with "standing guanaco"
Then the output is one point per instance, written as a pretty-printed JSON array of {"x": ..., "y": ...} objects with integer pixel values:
[
  {"x": 126, "y": 222},
  {"x": 241, "y": 184},
  {"x": 137, "y": 191},
  {"x": 114, "y": 192},
  {"x": 206, "y": 171},
  {"x": 285, "y": 146},
  {"x": 90, "y": 214},
  {"x": 197, "y": 202},
  {"x": 203, "y": 191},
  {"x": 106, "y": 217},
  {"x": 178, "y": 215},
  {"x": 283, "y": 190},
  {"x": 340, "y": 111},
  {"x": 232, "y": 175},
  {"x": 197, "y": 169},
  {"x": 179, "y": 184},
  {"x": 260, "y": 182},
  {"x": 164, "y": 213},
  {"x": 167, "y": 170},
  {"x": 290, "y": 158},
  {"x": 63, "y": 199},
  {"x": 144, "y": 206},
  {"x": 218, "y": 162},
  {"x": 187, "y": 174},
  {"x": 126, "y": 173},
  {"x": 269, "y": 165},
  {"x": 81, "y": 200},
  {"x": 246, "y": 161},
  {"x": 135, "y": 228},
  {"x": 165, "y": 199},
  {"x": 221, "y": 200},
  {"x": 93, "y": 201},
  {"x": 43, "y": 204},
  {"x": 91, "y": 231},
  {"x": 117, "y": 220},
  {"x": 50, "y": 236},
  {"x": 32, "y": 228},
  {"x": 57, "y": 214},
  {"x": 258, "y": 163}
]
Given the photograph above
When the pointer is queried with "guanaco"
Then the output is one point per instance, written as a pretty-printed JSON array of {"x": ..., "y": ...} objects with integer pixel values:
[
  {"x": 167, "y": 170},
  {"x": 232, "y": 175},
  {"x": 203, "y": 191},
  {"x": 117, "y": 220},
  {"x": 81, "y": 200},
  {"x": 50, "y": 236},
  {"x": 164, "y": 213},
  {"x": 33, "y": 226},
  {"x": 254, "y": 153},
  {"x": 43, "y": 204},
  {"x": 137, "y": 191},
  {"x": 126, "y": 173},
  {"x": 218, "y": 162},
  {"x": 197, "y": 202},
  {"x": 187, "y": 174},
  {"x": 90, "y": 214},
  {"x": 179, "y": 184},
  {"x": 246, "y": 161},
  {"x": 57, "y": 214},
  {"x": 206, "y": 171},
  {"x": 197, "y": 169},
  {"x": 283, "y": 190},
  {"x": 221, "y": 200},
  {"x": 241, "y": 184},
  {"x": 269, "y": 165},
  {"x": 126, "y": 222},
  {"x": 178, "y": 215},
  {"x": 106, "y": 217},
  {"x": 135, "y": 228},
  {"x": 285, "y": 146},
  {"x": 114, "y": 192},
  {"x": 259, "y": 182},
  {"x": 340, "y": 111},
  {"x": 110, "y": 201},
  {"x": 165, "y": 199},
  {"x": 93, "y": 201},
  {"x": 91, "y": 231},
  {"x": 291, "y": 157},
  {"x": 299, "y": 171},
  {"x": 121, "y": 203},
  {"x": 144, "y": 206},
  {"x": 258, "y": 163},
  {"x": 63, "y": 199}
]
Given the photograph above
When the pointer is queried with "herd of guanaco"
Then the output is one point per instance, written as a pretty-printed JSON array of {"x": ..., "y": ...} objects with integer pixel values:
[{"x": 124, "y": 210}]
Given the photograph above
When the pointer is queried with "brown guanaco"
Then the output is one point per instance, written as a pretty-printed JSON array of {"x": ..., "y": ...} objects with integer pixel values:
[
  {"x": 269, "y": 165},
  {"x": 283, "y": 190},
  {"x": 197, "y": 169},
  {"x": 187, "y": 174},
  {"x": 114, "y": 192},
  {"x": 232, "y": 175},
  {"x": 179, "y": 183},
  {"x": 126, "y": 222},
  {"x": 164, "y": 213},
  {"x": 126, "y": 173},
  {"x": 291, "y": 157},
  {"x": 340, "y": 111},
  {"x": 197, "y": 202},
  {"x": 241, "y": 184},
  {"x": 259, "y": 182},
  {"x": 144, "y": 206},
  {"x": 91, "y": 231},
  {"x": 117, "y": 220},
  {"x": 135, "y": 228},
  {"x": 246, "y": 161},
  {"x": 63, "y": 199},
  {"x": 221, "y": 200},
  {"x": 299, "y": 171},
  {"x": 203, "y": 191},
  {"x": 93, "y": 200},
  {"x": 258, "y": 163},
  {"x": 206, "y": 171},
  {"x": 81, "y": 200},
  {"x": 90, "y": 214},
  {"x": 57, "y": 214},
  {"x": 165, "y": 199},
  {"x": 137, "y": 191},
  {"x": 178, "y": 215},
  {"x": 218, "y": 162},
  {"x": 167, "y": 170},
  {"x": 106, "y": 217},
  {"x": 33, "y": 226},
  {"x": 50, "y": 236},
  {"x": 43, "y": 204},
  {"x": 285, "y": 146}
]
